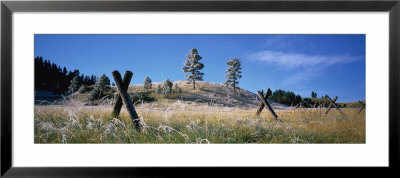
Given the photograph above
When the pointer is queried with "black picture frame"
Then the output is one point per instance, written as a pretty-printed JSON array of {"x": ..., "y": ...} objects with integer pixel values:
[{"x": 8, "y": 7}]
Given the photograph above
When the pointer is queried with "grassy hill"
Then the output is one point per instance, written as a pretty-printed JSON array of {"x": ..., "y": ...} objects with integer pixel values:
[
  {"x": 214, "y": 94},
  {"x": 206, "y": 92},
  {"x": 211, "y": 94}
]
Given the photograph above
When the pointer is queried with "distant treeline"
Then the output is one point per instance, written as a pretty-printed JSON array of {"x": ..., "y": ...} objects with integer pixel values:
[
  {"x": 286, "y": 97},
  {"x": 291, "y": 99},
  {"x": 50, "y": 77}
]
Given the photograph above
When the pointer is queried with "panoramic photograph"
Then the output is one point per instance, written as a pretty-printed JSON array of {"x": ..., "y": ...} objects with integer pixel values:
[{"x": 199, "y": 89}]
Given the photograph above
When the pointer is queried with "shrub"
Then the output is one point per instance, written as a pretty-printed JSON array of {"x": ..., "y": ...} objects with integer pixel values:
[
  {"x": 140, "y": 97},
  {"x": 158, "y": 89},
  {"x": 85, "y": 89},
  {"x": 96, "y": 93},
  {"x": 177, "y": 89}
]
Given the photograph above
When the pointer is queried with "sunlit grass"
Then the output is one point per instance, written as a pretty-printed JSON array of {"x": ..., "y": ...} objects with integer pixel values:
[{"x": 182, "y": 122}]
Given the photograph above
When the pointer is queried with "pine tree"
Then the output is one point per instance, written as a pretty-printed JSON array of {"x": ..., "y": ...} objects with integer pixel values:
[
  {"x": 158, "y": 90},
  {"x": 192, "y": 66},
  {"x": 233, "y": 73},
  {"x": 102, "y": 82},
  {"x": 76, "y": 83},
  {"x": 147, "y": 83},
  {"x": 100, "y": 87},
  {"x": 177, "y": 89},
  {"x": 167, "y": 88},
  {"x": 313, "y": 94}
]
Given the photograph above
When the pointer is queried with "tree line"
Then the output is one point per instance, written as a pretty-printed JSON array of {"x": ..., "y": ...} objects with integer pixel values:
[
  {"x": 291, "y": 99},
  {"x": 51, "y": 77}
]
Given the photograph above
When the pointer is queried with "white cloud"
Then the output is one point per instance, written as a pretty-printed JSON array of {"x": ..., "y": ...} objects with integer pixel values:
[
  {"x": 299, "y": 77},
  {"x": 311, "y": 66},
  {"x": 293, "y": 60}
]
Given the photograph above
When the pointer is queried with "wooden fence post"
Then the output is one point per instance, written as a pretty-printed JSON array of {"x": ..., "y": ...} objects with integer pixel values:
[
  {"x": 362, "y": 107},
  {"x": 125, "y": 85},
  {"x": 266, "y": 104},
  {"x": 127, "y": 101},
  {"x": 330, "y": 104},
  {"x": 261, "y": 107},
  {"x": 334, "y": 104}
]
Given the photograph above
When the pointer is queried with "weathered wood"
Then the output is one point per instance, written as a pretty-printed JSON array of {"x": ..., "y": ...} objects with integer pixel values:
[
  {"x": 330, "y": 104},
  {"x": 266, "y": 104},
  {"x": 125, "y": 85},
  {"x": 362, "y": 107},
  {"x": 300, "y": 105},
  {"x": 261, "y": 107},
  {"x": 127, "y": 101},
  {"x": 334, "y": 104}
]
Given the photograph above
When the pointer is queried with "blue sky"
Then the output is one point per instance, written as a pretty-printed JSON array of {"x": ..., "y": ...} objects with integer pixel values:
[{"x": 326, "y": 64}]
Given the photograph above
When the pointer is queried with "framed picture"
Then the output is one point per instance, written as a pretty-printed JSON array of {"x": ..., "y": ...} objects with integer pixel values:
[{"x": 116, "y": 88}]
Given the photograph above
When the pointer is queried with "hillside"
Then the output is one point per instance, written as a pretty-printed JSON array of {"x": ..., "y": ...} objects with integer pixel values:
[
  {"x": 206, "y": 92},
  {"x": 214, "y": 94}
]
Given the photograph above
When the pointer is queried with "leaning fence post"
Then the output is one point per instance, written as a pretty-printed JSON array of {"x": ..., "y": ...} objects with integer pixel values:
[
  {"x": 127, "y": 101},
  {"x": 330, "y": 104},
  {"x": 261, "y": 107},
  {"x": 266, "y": 104},
  {"x": 362, "y": 107},
  {"x": 124, "y": 86},
  {"x": 334, "y": 104}
]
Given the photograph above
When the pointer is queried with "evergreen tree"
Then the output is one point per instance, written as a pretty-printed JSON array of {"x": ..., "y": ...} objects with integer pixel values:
[
  {"x": 76, "y": 83},
  {"x": 100, "y": 87},
  {"x": 177, "y": 89},
  {"x": 167, "y": 88},
  {"x": 147, "y": 83},
  {"x": 286, "y": 97},
  {"x": 192, "y": 66},
  {"x": 102, "y": 82},
  {"x": 158, "y": 90},
  {"x": 233, "y": 73},
  {"x": 65, "y": 71},
  {"x": 313, "y": 94}
]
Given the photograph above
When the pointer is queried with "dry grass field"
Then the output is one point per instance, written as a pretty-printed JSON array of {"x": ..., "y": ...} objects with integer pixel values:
[
  {"x": 209, "y": 114},
  {"x": 176, "y": 121}
]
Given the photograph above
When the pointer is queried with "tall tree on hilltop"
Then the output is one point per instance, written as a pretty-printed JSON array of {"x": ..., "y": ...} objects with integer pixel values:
[
  {"x": 233, "y": 73},
  {"x": 192, "y": 66}
]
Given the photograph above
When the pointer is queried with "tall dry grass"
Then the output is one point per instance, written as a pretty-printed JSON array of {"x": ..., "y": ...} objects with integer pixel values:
[{"x": 171, "y": 121}]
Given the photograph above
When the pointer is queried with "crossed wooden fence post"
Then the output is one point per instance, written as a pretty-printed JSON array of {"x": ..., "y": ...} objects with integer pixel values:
[
  {"x": 362, "y": 107},
  {"x": 264, "y": 103},
  {"x": 332, "y": 103},
  {"x": 300, "y": 105},
  {"x": 261, "y": 107},
  {"x": 125, "y": 85},
  {"x": 124, "y": 96}
]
